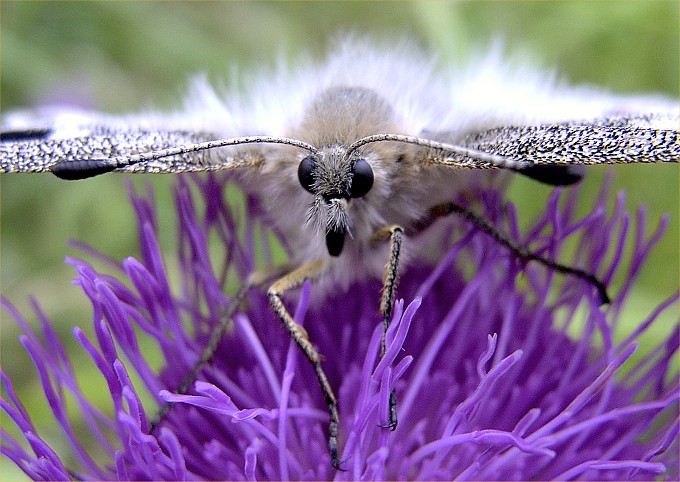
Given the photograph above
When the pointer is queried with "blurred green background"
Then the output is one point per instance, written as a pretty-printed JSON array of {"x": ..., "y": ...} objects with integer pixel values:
[{"x": 125, "y": 56}]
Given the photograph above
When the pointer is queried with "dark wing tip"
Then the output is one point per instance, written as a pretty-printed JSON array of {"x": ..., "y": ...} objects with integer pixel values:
[
  {"x": 555, "y": 174},
  {"x": 25, "y": 135}
]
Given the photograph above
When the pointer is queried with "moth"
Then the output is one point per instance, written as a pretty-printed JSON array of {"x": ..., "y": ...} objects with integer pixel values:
[{"x": 356, "y": 158}]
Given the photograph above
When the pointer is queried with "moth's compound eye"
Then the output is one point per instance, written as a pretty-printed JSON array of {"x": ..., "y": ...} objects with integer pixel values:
[
  {"x": 305, "y": 172},
  {"x": 362, "y": 178}
]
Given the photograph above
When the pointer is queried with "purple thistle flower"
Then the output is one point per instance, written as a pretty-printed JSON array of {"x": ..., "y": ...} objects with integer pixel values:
[{"x": 489, "y": 384}]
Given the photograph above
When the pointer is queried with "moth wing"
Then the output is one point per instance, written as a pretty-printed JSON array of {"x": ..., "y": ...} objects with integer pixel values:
[
  {"x": 86, "y": 143},
  {"x": 610, "y": 140},
  {"x": 555, "y": 153}
]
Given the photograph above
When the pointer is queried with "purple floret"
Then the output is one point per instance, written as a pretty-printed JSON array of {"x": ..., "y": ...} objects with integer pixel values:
[{"x": 489, "y": 384}]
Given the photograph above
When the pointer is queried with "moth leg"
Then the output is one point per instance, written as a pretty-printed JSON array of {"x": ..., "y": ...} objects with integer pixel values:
[
  {"x": 206, "y": 355},
  {"x": 257, "y": 278},
  {"x": 447, "y": 208},
  {"x": 395, "y": 234},
  {"x": 294, "y": 279}
]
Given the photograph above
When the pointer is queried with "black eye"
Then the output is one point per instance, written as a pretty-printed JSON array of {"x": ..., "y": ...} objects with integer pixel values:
[
  {"x": 362, "y": 178},
  {"x": 305, "y": 172}
]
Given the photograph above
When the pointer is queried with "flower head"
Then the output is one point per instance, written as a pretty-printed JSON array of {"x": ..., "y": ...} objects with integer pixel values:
[{"x": 489, "y": 383}]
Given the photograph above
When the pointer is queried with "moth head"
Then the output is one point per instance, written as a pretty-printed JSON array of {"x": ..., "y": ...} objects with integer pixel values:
[
  {"x": 334, "y": 180},
  {"x": 337, "y": 117}
]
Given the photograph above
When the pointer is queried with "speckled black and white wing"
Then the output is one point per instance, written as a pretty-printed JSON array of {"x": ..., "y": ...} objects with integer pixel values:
[
  {"x": 72, "y": 150},
  {"x": 610, "y": 140},
  {"x": 34, "y": 151},
  {"x": 613, "y": 140}
]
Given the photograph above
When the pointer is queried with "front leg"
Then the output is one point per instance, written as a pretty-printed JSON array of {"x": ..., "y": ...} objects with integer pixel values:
[
  {"x": 294, "y": 279},
  {"x": 395, "y": 234}
]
